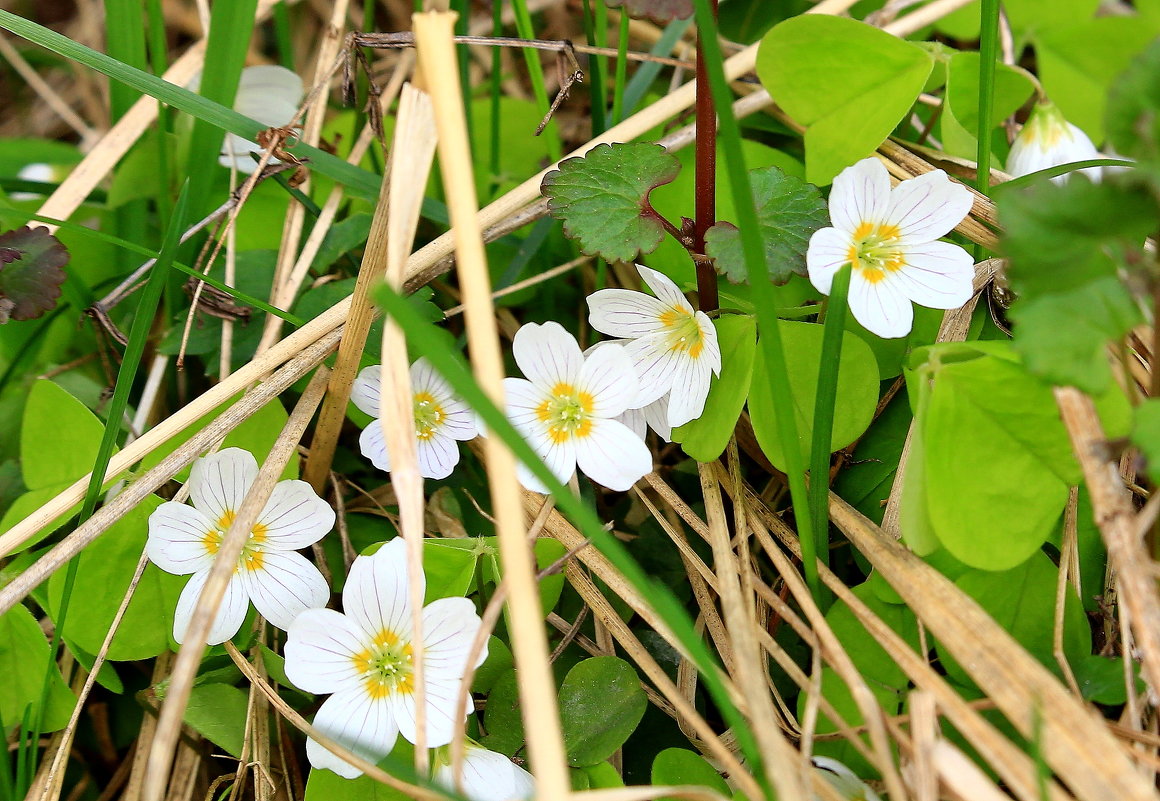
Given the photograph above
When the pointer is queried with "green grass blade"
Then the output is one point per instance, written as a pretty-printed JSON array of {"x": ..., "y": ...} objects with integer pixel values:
[
  {"x": 642, "y": 79},
  {"x": 126, "y": 43},
  {"x": 621, "y": 70},
  {"x": 536, "y": 73},
  {"x": 597, "y": 67},
  {"x": 988, "y": 57}
]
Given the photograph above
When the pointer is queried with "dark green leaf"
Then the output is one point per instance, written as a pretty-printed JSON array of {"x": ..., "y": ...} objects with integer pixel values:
[
  {"x": 1063, "y": 337},
  {"x": 601, "y": 703},
  {"x": 31, "y": 271},
  {"x": 602, "y": 198},
  {"x": 218, "y": 712},
  {"x": 502, "y": 720},
  {"x": 675, "y": 766},
  {"x": 788, "y": 210},
  {"x": 1133, "y": 118},
  {"x": 342, "y": 237}
]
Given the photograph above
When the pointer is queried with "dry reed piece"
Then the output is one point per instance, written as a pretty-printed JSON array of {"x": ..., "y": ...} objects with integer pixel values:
[
  {"x": 436, "y": 53},
  {"x": 411, "y": 156}
]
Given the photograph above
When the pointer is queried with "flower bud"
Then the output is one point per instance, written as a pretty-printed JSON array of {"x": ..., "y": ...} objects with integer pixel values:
[{"x": 1048, "y": 140}]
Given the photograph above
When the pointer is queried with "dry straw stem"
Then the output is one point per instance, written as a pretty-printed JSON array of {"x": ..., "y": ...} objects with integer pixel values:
[
  {"x": 1122, "y": 534},
  {"x": 297, "y": 721},
  {"x": 434, "y": 37},
  {"x": 225, "y": 563},
  {"x": 411, "y": 157},
  {"x": 1010, "y": 762},
  {"x": 16, "y": 590},
  {"x": 1071, "y": 740},
  {"x": 751, "y": 672}
]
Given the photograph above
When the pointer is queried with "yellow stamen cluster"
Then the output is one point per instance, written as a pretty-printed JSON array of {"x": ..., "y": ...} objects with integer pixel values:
[
  {"x": 429, "y": 415},
  {"x": 567, "y": 412},
  {"x": 386, "y": 666},
  {"x": 684, "y": 332},
  {"x": 875, "y": 252},
  {"x": 251, "y": 557}
]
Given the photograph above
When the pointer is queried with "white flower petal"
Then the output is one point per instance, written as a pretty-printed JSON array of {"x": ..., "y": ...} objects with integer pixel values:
[
  {"x": 488, "y": 776},
  {"x": 611, "y": 455},
  {"x": 230, "y": 616},
  {"x": 656, "y": 365},
  {"x": 437, "y": 456},
  {"x": 690, "y": 389},
  {"x": 219, "y": 482},
  {"x": 320, "y": 652},
  {"x": 295, "y": 516},
  {"x": 373, "y": 445},
  {"x": 710, "y": 347},
  {"x": 843, "y": 780},
  {"x": 364, "y": 392},
  {"x": 547, "y": 354},
  {"x": 861, "y": 193},
  {"x": 440, "y": 696},
  {"x": 285, "y": 586},
  {"x": 177, "y": 534},
  {"x": 522, "y": 398},
  {"x": 927, "y": 207},
  {"x": 664, "y": 288},
  {"x": 449, "y": 629},
  {"x": 375, "y": 597},
  {"x": 656, "y": 415},
  {"x": 560, "y": 457},
  {"x": 633, "y": 419},
  {"x": 268, "y": 94},
  {"x": 829, "y": 251},
  {"x": 609, "y": 377},
  {"x": 880, "y": 307},
  {"x": 937, "y": 274},
  {"x": 364, "y": 725},
  {"x": 459, "y": 421},
  {"x": 625, "y": 313}
]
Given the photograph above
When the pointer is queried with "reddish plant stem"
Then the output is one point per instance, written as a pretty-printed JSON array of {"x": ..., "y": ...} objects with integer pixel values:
[{"x": 706, "y": 182}]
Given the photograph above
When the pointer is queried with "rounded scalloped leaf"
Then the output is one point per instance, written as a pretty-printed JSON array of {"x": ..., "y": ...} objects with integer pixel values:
[
  {"x": 602, "y": 198},
  {"x": 31, "y": 271},
  {"x": 789, "y": 210},
  {"x": 660, "y": 11}
]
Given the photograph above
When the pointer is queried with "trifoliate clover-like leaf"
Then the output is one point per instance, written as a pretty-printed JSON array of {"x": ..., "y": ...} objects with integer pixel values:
[
  {"x": 31, "y": 271},
  {"x": 788, "y": 211},
  {"x": 662, "y": 11},
  {"x": 602, "y": 198}
]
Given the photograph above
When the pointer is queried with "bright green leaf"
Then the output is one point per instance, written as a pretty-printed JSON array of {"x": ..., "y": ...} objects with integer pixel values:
[
  {"x": 848, "y": 82},
  {"x": 1133, "y": 117},
  {"x": 326, "y": 785},
  {"x": 961, "y": 104},
  {"x": 103, "y": 574},
  {"x": 602, "y": 198},
  {"x": 1146, "y": 435},
  {"x": 871, "y": 660},
  {"x": 28, "y": 503},
  {"x": 52, "y": 416},
  {"x": 601, "y": 703},
  {"x": 218, "y": 712},
  {"x": 857, "y": 394},
  {"x": 675, "y": 766},
  {"x": 23, "y": 659},
  {"x": 449, "y": 569},
  {"x": 705, "y": 438}
]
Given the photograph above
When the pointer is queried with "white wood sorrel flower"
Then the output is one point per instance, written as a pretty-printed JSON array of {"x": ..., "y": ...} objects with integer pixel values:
[
  {"x": 1049, "y": 140},
  {"x": 280, "y": 582},
  {"x": 487, "y": 776},
  {"x": 566, "y": 408},
  {"x": 364, "y": 659},
  {"x": 890, "y": 238},
  {"x": 441, "y": 419},
  {"x": 673, "y": 347},
  {"x": 843, "y": 780}
]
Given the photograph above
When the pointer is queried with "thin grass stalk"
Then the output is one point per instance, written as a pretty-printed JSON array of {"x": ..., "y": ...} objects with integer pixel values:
[
  {"x": 824, "y": 402},
  {"x": 436, "y": 54},
  {"x": 193, "y": 647},
  {"x": 778, "y": 760},
  {"x": 596, "y": 66},
  {"x": 536, "y": 75},
  {"x": 411, "y": 155}
]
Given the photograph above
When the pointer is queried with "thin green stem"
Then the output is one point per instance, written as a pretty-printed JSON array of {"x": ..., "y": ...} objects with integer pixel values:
[
  {"x": 621, "y": 70},
  {"x": 763, "y": 295},
  {"x": 536, "y": 74},
  {"x": 283, "y": 36},
  {"x": 495, "y": 88},
  {"x": 834, "y": 329},
  {"x": 597, "y": 65},
  {"x": 988, "y": 57}
]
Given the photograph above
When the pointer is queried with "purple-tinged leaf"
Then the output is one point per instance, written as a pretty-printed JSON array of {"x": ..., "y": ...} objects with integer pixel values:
[
  {"x": 660, "y": 11},
  {"x": 602, "y": 198},
  {"x": 31, "y": 271}
]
